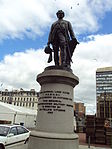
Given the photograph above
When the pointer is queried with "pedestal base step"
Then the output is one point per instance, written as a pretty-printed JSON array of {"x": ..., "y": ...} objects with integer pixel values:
[{"x": 46, "y": 140}]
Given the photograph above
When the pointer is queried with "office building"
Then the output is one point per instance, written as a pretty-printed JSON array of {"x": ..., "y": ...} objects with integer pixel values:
[{"x": 104, "y": 92}]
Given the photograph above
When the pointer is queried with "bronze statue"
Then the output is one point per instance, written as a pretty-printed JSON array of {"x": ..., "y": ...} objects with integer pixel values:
[{"x": 59, "y": 37}]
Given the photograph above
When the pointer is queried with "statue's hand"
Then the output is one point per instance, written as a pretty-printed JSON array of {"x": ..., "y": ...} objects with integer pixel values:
[
  {"x": 78, "y": 42},
  {"x": 75, "y": 40}
]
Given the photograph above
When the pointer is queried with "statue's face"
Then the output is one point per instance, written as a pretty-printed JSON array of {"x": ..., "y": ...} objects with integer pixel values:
[{"x": 60, "y": 15}]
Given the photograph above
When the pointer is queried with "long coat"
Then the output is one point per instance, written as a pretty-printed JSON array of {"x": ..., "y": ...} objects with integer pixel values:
[{"x": 66, "y": 28}]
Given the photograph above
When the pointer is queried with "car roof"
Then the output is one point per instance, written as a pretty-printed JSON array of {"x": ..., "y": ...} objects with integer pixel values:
[
  {"x": 10, "y": 125},
  {"x": 13, "y": 125}
]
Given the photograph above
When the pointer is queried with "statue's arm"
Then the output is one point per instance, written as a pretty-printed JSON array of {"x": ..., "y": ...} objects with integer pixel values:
[
  {"x": 50, "y": 35},
  {"x": 72, "y": 35}
]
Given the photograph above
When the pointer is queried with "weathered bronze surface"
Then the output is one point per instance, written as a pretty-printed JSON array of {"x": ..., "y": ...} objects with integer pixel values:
[{"x": 63, "y": 41}]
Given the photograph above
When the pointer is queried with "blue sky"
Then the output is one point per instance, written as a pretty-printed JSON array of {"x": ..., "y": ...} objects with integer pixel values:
[
  {"x": 106, "y": 24},
  {"x": 24, "y": 29},
  {"x": 9, "y": 46}
]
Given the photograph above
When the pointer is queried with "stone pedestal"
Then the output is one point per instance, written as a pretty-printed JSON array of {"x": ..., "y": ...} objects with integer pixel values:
[{"x": 54, "y": 126}]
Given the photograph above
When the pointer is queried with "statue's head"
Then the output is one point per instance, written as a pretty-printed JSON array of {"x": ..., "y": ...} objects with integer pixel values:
[{"x": 60, "y": 14}]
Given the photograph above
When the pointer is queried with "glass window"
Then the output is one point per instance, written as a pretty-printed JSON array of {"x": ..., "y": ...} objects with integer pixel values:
[
  {"x": 13, "y": 130},
  {"x": 5, "y": 98},
  {"x": 20, "y": 103},
  {"x": 30, "y": 104},
  {"x": 21, "y": 130},
  {"x": 33, "y": 104},
  {"x": 4, "y": 130}
]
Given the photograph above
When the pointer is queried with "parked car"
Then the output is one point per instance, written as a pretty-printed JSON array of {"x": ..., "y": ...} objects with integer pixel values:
[{"x": 12, "y": 136}]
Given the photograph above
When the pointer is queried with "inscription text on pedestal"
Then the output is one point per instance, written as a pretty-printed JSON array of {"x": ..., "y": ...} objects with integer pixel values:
[{"x": 54, "y": 101}]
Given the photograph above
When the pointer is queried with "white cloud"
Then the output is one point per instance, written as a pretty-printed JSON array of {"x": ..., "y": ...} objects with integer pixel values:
[
  {"x": 87, "y": 58},
  {"x": 32, "y": 17},
  {"x": 21, "y": 68}
]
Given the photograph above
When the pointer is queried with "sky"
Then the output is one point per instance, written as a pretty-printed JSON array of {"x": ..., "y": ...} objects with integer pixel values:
[{"x": 24, "y": 30}]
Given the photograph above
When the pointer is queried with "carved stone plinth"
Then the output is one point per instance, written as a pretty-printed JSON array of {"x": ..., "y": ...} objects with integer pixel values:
[{"x": 54, "y": 125}]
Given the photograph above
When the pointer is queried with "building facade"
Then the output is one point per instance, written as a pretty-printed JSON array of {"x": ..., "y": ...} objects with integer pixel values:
[
  {"x": 79, "y": 112},
  {"x": 104, "y": 92},
  {"x": 28, "y": 99},
  {"x": 79, "y": 108}
]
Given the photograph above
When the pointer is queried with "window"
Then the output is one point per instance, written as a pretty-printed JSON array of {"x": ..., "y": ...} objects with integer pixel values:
[
  {"x": 13, "y": 130},
  {"x": 21, "y": 130},
  {"x": 30, "y": 104},
  {"x": 5, "y": 98},
  {"x": 20, "y": 103},
  {"x": 33, "y": 104},
  {"x": 2, "y": 98},
  {"x": 4, "y": 130}
]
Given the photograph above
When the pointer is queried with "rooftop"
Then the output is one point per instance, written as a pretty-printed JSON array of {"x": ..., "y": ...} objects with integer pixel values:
[{"x": 104, "y": 69}]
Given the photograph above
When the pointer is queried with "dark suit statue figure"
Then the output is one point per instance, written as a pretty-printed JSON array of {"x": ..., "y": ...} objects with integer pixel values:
[{"x": 59, "y": 36}]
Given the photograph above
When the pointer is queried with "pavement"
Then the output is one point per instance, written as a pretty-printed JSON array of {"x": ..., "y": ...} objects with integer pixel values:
[{"x": 92, "y": 147}]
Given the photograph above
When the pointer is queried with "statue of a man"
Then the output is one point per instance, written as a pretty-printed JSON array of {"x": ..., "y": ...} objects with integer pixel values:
[{"x": 60, "y": 34}]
